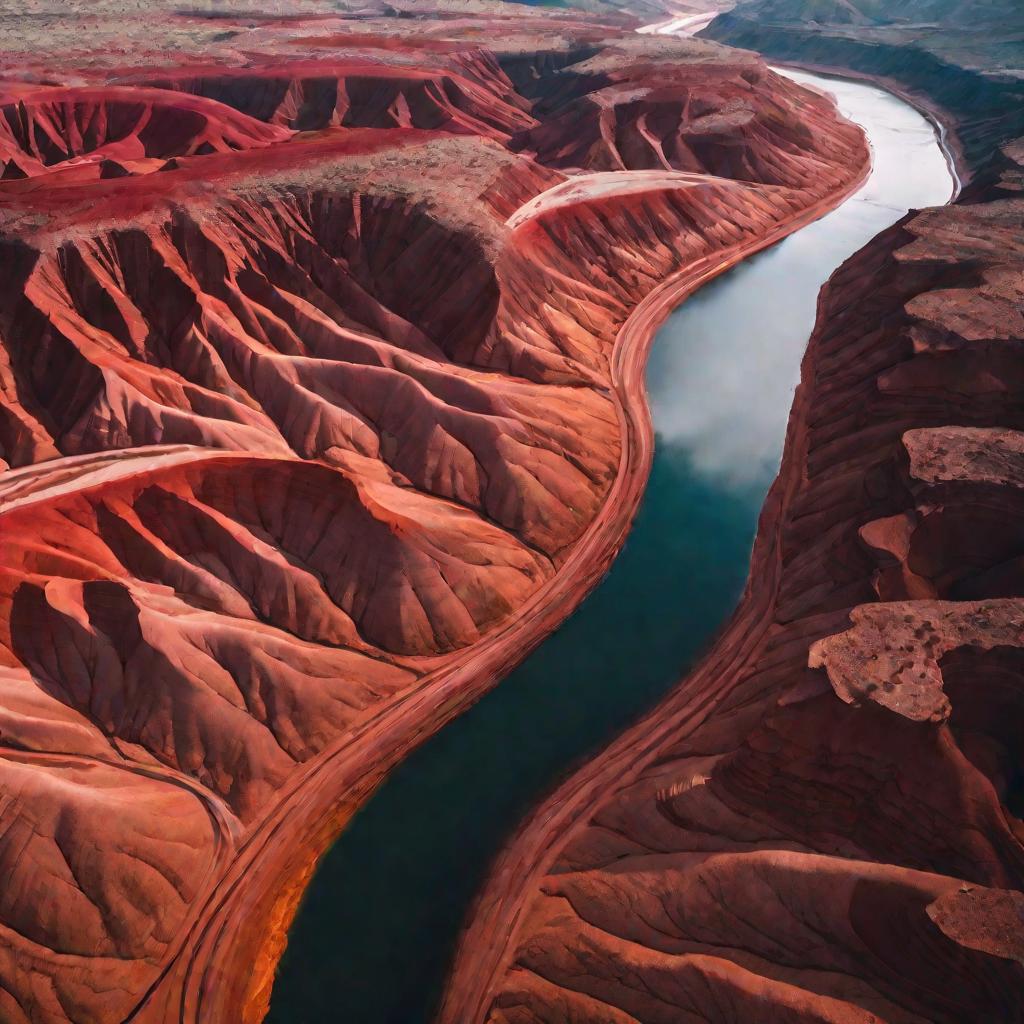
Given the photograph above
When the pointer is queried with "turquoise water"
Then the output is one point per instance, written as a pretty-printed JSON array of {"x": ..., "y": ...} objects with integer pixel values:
[{"x": 377, "y": 929}]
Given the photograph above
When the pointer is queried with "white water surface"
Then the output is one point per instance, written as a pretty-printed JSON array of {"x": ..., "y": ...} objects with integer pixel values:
[{"x": 753, "y": 323}]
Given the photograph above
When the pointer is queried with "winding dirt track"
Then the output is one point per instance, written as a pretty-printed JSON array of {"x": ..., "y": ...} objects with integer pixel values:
[
  {"x": 280, "y": 855},
  {"x": 584, "y": 188}
]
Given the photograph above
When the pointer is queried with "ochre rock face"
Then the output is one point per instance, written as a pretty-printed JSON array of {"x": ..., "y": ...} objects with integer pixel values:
[
  {"x": 823, "y": 823},
  {"x": 311, "y": 399},
  {"x": 46, "y": 129},
  {"x": 474, "y": 97},
  {"x": 718, "y": 119}
]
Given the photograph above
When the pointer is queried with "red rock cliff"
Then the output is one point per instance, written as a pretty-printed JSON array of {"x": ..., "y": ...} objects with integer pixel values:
[
  {"x": 822, "y": 823},
  {"x": 317, "y": 411}
]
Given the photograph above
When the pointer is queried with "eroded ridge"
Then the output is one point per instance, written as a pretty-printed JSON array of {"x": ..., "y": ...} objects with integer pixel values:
[
  {"x": 823, "y": 823},
  {"x": 313, "y": 418}
]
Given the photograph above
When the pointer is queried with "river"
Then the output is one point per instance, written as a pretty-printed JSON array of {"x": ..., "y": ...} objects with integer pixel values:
[{"x": 377, "y": 929}]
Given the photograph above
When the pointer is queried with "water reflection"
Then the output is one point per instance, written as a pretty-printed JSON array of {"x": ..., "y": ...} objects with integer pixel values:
[
  {"x": 378, "y": 927},
  {"x": 725, "y": 365}
]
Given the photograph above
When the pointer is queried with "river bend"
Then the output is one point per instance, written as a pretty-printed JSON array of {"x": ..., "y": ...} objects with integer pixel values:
[{"x": 377, "y": 928}]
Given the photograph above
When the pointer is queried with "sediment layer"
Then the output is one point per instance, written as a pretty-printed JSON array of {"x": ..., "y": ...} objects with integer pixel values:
[
  {"x": 321, "y": 405},
  {"x": 822, "y": 823}
]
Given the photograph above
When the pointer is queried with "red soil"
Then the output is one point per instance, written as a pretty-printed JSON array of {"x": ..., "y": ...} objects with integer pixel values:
[
  {"x": 716, "y": 119},
  {"x": 359, "y": 93},
  {"x": 303, "y": 446},
  {"x": 44, "y": 128},
  {"x": 822, "y": 822}
]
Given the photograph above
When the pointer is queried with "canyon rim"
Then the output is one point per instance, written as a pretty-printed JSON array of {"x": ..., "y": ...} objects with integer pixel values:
[{"x": 323, "y": 330}]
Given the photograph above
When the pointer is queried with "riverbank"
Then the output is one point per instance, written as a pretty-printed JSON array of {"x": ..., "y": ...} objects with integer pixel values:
[
  {"x": 276, "y": 856},
  {"x": 492, "y": 941},
  {"x": 949, "y": 71},
  {"x": 942, "y": 120}
]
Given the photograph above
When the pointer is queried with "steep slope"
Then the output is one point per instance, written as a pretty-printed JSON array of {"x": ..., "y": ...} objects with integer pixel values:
[
  {"x": 42, "y": 129},
  {"x": 303, "y": 322},
  {"x": 823, "y": 822},
  {"x": 318, "y": 408},
  {"x": 362, "y": 94},
  {"x": 878, "y": 12},
  {"x": 960, "y": 60},
  {"x": 725, "y": 117}
]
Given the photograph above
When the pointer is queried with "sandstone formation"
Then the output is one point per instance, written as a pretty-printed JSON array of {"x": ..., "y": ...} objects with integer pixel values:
[
  {"x": 960, "y": 59},
  {"x": 823, "y": 822},
  {"x": 320, "y": 404}
]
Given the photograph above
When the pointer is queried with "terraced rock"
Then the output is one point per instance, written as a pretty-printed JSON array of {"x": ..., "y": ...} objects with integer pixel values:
[
  {"x": 823, "y": 822},
  {"x": 313, "y": 395}
]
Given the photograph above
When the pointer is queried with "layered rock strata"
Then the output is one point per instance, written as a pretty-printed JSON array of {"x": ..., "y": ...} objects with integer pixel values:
[
  {"x": 320, "y": 404},
  {"x": 823, "y": 822}
]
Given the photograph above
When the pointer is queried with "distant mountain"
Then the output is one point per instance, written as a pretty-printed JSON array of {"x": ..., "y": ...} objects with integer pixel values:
[{"x": 886, "y": 12}]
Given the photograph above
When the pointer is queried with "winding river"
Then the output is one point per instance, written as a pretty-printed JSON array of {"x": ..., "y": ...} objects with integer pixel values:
[{"x": 377, "y": 929}]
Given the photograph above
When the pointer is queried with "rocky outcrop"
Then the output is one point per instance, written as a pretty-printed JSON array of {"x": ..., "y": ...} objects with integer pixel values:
[
  {"x": 319, "y": 407},
  {"x": 945, "y": 56},
  {"x": 822, "y": 823},
  {"x": 78, "y": 131},
  {"x": 727, "y": 118},
  {"x": 476, "y": 99}
]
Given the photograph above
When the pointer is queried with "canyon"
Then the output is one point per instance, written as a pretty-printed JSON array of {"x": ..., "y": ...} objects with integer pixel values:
[
  {"x": 321, "y": 404},
  {"x": 822, "y": 822}
]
